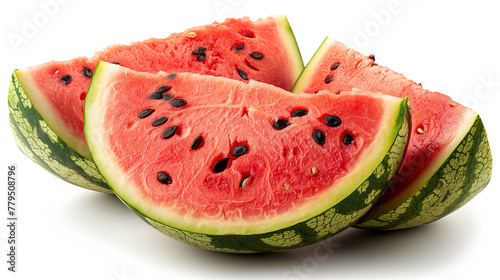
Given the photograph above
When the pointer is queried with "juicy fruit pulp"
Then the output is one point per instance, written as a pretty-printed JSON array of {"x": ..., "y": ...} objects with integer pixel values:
[
  {"x": 241, "y": 167},
  {"x": 241, "y": 49},
  {"x": 439, "y": 126}
]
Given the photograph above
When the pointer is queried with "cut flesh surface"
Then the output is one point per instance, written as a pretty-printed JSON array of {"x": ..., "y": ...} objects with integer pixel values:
[
  {"x": 263, "y": 50},
  {"x": 267, "y": 159},
  {"x": 439, "y": 125}
]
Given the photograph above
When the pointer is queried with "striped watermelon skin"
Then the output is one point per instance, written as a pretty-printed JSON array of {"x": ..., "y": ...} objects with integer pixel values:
[
  {"x": 466, "y": 172},
  {"x": 435, "y": 179},
  {"x": 303, "y": 224},
  {"x": 325, "y": 225},
  {"x": 37, "y": 141}
]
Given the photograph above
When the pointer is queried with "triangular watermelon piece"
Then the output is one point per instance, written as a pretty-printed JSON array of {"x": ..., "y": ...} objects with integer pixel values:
[
  {"x": 448, "y": 160},
  {"x": 241, "y": 167},
  {"x": 264, "y": 50}
]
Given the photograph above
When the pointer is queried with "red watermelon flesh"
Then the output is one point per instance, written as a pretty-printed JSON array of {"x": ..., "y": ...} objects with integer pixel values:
[
  {"x": 438, "y": 122},
  {"x": 262, "y": 50},
  {"x": 222, "y": 156}
]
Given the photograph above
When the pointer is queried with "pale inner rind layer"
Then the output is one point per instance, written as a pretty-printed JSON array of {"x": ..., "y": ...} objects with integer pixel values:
[
  {"x": 318, "y": 228},
  {"x": 468, "y": 121},
  {"x": 307, "y": 71},
  {"x": 460, "y": 177},
  {"x": 75, "y": 140},
  {"x": 95, "y": 117},
  {"x": 295, "y": 57},
  {"x": 48, "y": 112},
  {"x": 416, "y": 177}
]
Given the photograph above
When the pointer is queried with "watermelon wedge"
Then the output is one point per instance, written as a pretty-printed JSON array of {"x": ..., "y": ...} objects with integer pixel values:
[
  {"x": 46, "y": 101},
  {"x": 448, "y": 160},
  {"x": 241, "y": 167}
]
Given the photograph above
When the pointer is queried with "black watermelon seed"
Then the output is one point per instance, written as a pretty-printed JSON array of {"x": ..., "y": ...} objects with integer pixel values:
[
  {"x": 164, "y": 178},
  {"x": 220, "y": 165},
  {"x": 163, "y": 89},
  {"x": 239, "y": 47},
  {"x": 87, "y": 72},
  {"x": 243, "y": 75},
  {"x": 338, "y": 92},
  {"x": 168, "y": 96},
  {"x": 348, "y": 139},
  {"x": 374, "y": 64},
  {"x": 333, "y": 121},
  {"x": 248, "y": 36},
  {"x": 372, "y": 57},
  {"x": 329, "y": 79},
  {"x": 200, "y": 54},
  {"x": 117, "y": 63},
  {"x": 335, "y": 66},
  {"x": 257, "y": 55},
  {"x": 319, "y": 136},
  {"x": 178, "y": 102},
  {"x": 171, "y": 76},
  {"x": 144, "y": 113},
  {"x": 155, "y": 95},
  {"x": 159, "y": 121},
  {"x": 66, "y": 79},
  {"x": 169, "y": 132},
  {"x": 315, "y": 92},
  {"x": 196, "y": 142},
  {"x": 281, "y": 124},
  {"x": 299, "y": 113},
  {"x": 239, "y": 151}
]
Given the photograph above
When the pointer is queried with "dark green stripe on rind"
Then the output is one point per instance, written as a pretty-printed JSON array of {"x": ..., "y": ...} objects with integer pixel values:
[
  {"x": 37, "y": 141},
  {"x": 465, "y": 173},
  {"x": 323, "y": 226}
]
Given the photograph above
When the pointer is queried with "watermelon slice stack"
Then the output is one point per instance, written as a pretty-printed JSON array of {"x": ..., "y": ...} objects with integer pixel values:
[
  {"x": 201, "y": 136},
  {"x": 46, "y": 101}
]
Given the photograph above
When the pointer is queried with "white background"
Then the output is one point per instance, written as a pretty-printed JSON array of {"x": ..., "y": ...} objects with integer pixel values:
[{"x": 65, "y": 232}]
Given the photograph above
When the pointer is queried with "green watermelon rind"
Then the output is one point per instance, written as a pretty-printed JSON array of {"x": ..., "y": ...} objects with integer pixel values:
[
  {"x": 412, "y": 212},
  {"x": 298, "y": 233},
  {"x": 464, "y": 174},
  {"x": 54, "y": 155},
  {"x": 307, "y": 72},
  {"x": 40, "y": 143},
  {"x": 325, "y": 225}
]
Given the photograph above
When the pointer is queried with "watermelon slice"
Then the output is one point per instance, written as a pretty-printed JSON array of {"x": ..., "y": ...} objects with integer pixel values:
[
  {"x": 241, "y": 167},
  {"x": 448, "y": 160},
  {"x": 241, "y": 49}
]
